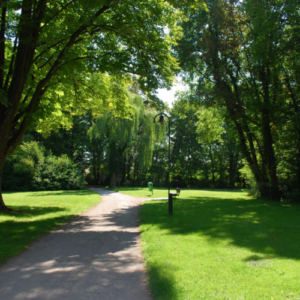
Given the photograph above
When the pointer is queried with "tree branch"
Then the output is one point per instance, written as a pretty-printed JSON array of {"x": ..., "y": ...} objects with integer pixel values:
[
  {"x": 55, "y": 15},
  {"x": 42, "y": 85},
  {"x": 2, "y": 45},
  {"x": 16, "y": 139},
  {"x": 50, "y": 47},
  {"x": 11, "y": 65}
]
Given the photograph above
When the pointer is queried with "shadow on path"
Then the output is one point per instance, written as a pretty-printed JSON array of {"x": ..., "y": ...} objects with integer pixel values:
[{"x": 95, "y": 256}]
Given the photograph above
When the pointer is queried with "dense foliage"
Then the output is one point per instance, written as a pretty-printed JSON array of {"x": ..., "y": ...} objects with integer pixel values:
[
  {"x": 31, "y": 168},
  {"x": 240, "y": 58},
  {"x": 59, "y": 57},
  {"x": 127, "y": 140},
  {"x": 88, "y": 63}
]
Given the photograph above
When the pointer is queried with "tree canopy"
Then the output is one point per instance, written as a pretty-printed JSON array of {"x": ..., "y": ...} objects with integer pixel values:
[
  {"x": 125, "y": 137},
  {"x": 88, "y": 62},
  {"x": 242, "y": 55},
  {"x": 59, "y": 57}
]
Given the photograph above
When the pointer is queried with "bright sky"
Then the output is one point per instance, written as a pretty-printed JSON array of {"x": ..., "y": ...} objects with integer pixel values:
[{"x": 169, "y": 95}]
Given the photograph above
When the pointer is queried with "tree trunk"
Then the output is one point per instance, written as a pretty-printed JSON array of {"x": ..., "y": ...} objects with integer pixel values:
[
  {"x": 295, "y": 100},
  {"x": 231, "y": 170},
  {"x": 273, "y": 190},
  {"x": 112, "y": 183},
  {"x": 3, "y": 207},
  {"x": 124, "y": 170},
  {"x": 95, "y": 174},
  {"x": 128, "y": 167},
  {"x": 212, "y": 167},
  {"x": 206, "y": 174},
  {"x": 298, "y": 162}
]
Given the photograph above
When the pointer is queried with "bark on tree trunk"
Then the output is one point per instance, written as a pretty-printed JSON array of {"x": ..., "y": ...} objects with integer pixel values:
[
  {"x": 124, "y": 170},
  {"x": 112, "y": 183},
  {"x": 128, "y": 168},
  {"x": 212, "y": 167},
  {"x": 273, "y": 190},
  {"x": 298, "y": 161},
  {"x": 95, "y": 174},
  {"x": 231, "y": 171},
  {"x": 3, "y": 207}
]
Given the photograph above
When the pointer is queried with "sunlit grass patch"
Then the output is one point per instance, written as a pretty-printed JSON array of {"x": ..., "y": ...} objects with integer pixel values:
[
  {"x": 163, "y": 192},
  {"x": 38, "y": 213},
  {"x": 221, "y": 245}
]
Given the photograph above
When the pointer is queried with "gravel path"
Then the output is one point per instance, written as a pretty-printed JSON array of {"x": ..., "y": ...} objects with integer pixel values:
[{"x": 95, "y": 256}]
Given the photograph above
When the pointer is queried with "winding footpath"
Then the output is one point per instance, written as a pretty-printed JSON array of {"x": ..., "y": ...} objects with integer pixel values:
[{"x": 97, "y": 255}]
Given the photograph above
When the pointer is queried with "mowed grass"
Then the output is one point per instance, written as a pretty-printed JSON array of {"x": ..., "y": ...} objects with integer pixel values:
[
  {"x": 221, "y": 245},
  {"x": 39, "y": 213},
  {"x": 144, "y": 192}
]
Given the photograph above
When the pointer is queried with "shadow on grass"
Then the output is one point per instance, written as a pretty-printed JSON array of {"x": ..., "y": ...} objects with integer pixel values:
[
  {"x": 21, "y": 211},
  {"x": 79, "y": 260},
  {"x": 54, "y": 192},
  {"x": 162, "y": 282},
  {"x": 62, "y": 193},
  {"x": 16, "y": 235},
  {"x": 267, "y": 228}
]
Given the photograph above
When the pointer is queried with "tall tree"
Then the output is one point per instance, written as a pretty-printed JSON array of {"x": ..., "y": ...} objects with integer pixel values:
[
  {"x": 127, "y": 136},
  {"x": 187, "y": 153},
  {"x": 51, "y": 51},
  {"x": 205, "y": 150},
  {"x": 237, "y": 49}
]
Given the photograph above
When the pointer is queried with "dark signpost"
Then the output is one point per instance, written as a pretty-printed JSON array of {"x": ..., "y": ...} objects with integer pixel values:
[{"x": 162, "y": 121}]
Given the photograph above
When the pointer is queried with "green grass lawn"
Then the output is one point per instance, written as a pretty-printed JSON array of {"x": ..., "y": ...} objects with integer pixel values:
[
  {"x": 144, "y": 192},
  {"x": 39, "y": 212},
  {"x": 220, "y": 245}
]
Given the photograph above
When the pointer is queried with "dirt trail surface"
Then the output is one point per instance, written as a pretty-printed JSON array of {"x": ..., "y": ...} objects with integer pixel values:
[{"x": 95, "y": 256}]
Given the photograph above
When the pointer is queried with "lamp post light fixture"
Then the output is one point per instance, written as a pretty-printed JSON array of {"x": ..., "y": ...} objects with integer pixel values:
[{"x": 162, "y": 121}]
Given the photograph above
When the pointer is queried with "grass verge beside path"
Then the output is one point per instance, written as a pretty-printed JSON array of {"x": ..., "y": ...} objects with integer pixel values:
[
  {"x": 39, "y": 213},
  {"x": 144, "y": 192},
  {"x": 221, "y": 245}
]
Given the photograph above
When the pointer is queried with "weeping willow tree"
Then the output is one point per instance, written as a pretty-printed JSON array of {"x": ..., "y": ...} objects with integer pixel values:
[{"x": 127, "y": 138}]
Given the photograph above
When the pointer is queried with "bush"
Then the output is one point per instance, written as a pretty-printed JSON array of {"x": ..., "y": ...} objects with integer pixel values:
[
  {"x": 292, "y": 196},
  {"x": 252, "y": 186},
  {"x": 27, "y": 158},
  {"x": 31, "y": 169},
  {"x": 12, "y": 181},
  {"x": 58, "y": 173}
]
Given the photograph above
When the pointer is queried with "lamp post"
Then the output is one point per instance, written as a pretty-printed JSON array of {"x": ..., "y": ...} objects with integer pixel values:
[{"x": 162, "y": 121}]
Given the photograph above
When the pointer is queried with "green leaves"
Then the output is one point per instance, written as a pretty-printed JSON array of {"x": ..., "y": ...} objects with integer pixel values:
[
  {"x": 240, "y": 57},
  {"x": 209, "y": 127},
  {"x": 27, "y": 159},
  {"x": 128, "y": 136}
]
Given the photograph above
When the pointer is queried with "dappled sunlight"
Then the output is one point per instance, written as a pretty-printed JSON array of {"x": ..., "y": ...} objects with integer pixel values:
[
  {"x": 223, "y": 248},
  {"x": 262, "y": 227},
  {"x": 60, "y": 193},
  {"x": 72, "y": 270},
  {"x": 25, "y": 211},
  {"x": 94, "y": 254},
  {"x": 36, "y": 213}
]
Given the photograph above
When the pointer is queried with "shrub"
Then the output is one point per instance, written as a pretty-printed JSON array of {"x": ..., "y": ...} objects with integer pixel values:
[
  {"x": 252, "y": 186},
  {"x": 292, "y": 196},
  {"x": 58, "y": 173},
  {"x": 27, "y": 158},
  {"x": 31, "y": 169}
]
